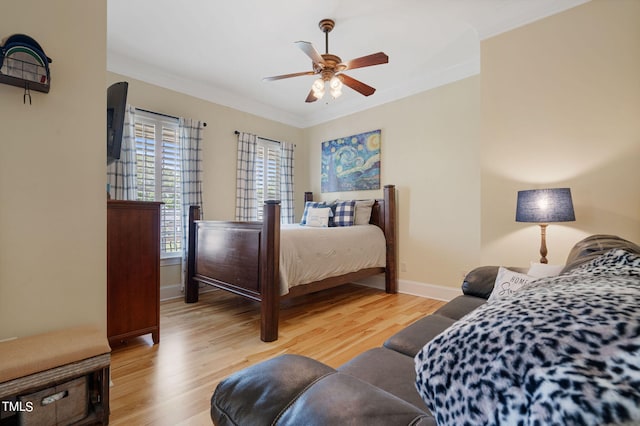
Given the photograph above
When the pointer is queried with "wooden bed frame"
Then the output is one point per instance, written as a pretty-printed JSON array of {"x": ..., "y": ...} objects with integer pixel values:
[{"x": 243, "y": 258}]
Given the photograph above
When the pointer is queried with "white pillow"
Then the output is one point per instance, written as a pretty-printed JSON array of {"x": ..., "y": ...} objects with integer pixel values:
[
  {"x": 318, "y": 216},
  {"x": 541, "y": 270},
  {"x": 363, "y": 212},
  {"x": 507, "y": 282}
]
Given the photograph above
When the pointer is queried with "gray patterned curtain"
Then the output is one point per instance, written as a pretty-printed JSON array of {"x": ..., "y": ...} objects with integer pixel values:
[
  {"x": 246, "y": 209},
  {"x": 190, "y": 136},
  {"x": 121, "y": 174},
  {"x": 286, "y": 183}
]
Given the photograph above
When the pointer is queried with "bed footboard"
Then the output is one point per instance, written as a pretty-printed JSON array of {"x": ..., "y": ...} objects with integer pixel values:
[{"x": 240, "y": 257}]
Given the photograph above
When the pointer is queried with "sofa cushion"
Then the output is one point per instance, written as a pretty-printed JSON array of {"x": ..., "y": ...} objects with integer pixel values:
[
  {"x": 266, "y": 389},
  {"x": 411, "y": 339},
  {"x": 460, "y": 306},
  {"x": 341, "y": 399},
  {"x": 388, "y": 370}
]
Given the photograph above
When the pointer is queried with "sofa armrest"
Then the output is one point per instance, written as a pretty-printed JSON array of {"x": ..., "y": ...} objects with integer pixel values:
[
  {"x": 294, "y": 390},
  {"x": 479, "y": 282}
]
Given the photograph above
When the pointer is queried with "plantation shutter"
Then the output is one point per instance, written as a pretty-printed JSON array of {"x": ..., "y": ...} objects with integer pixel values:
[
  {"x": 145, "y": 161},
  {"x": 267, "y": 173},
  {"x": 158, "y": 176},
  {"x": 171, "y": 196}
]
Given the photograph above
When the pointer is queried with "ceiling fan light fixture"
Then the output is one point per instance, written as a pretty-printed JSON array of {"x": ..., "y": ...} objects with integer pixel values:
[
  {"x": 335, "y": 86},
  {"x": 335, "y": 83},
  {"x": 318, "y": 88}
]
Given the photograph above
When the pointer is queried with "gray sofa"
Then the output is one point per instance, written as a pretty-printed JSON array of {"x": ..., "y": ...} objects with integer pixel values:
[{"x": 378, "y": 386}]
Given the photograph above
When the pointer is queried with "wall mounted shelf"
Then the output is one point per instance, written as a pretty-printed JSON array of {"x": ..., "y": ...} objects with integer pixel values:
[{"x": 19, "y": 82}]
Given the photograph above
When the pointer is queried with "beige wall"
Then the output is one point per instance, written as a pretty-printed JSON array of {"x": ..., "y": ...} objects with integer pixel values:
[
  {"x": 430, "y": 152},
  {"x": 561, "y": 108},
  {"x": 218, "y": 150},
  {"x": 52, "y": 181}
]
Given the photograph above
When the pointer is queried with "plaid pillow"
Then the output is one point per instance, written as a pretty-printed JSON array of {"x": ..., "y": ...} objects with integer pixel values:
[
  {"x": 307, "y": 206},
  {"x": 344, "y": 213}
]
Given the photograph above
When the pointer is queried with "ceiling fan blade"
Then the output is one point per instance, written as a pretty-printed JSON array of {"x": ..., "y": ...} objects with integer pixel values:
[
  {"x": 295, "y": 74},
  {"x": 310, "y": 51},
  {"x": 311, "y": 97},
  {"x": 367, "y": 61},
  {"x": 357, "y": 85}
]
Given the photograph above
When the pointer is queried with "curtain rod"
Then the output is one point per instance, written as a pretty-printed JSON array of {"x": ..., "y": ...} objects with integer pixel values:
[
  {"x": 164, "y": 115},
  {"x": 266, "y": 139}
]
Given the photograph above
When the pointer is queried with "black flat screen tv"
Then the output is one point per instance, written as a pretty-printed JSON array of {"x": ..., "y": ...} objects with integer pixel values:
[{"x": 116, "y": 107}]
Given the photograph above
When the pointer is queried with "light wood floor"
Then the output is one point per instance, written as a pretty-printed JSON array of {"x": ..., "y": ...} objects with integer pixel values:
[{"x": 171, "y": 383}]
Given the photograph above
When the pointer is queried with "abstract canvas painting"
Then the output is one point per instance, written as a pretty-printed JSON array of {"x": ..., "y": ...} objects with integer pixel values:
[{"x": 351, "y": 163}]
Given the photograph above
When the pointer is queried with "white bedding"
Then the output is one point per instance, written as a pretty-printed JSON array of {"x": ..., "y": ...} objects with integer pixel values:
[{"x": 309, "y": 254}]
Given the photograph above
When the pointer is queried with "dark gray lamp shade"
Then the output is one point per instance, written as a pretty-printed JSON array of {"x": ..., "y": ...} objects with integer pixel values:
[{"x": 545, "y": 206}]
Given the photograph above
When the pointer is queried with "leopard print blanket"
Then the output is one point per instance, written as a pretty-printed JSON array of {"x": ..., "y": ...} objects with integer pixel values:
[{"x": 563, "y": 350}]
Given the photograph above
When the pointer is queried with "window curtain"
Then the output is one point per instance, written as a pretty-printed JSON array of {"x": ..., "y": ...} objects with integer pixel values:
[
  {"x": 121, "y": 174},
  {"x": 286, "y": 183},
  {"x": 190, "y": 138},
  {"x": 246, "y": 208}
]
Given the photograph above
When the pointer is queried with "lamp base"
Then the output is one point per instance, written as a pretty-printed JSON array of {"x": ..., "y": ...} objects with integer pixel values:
[{"x": 543, "y": 243}]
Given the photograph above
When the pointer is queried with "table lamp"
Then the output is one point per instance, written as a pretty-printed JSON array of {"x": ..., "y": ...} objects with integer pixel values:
[{"x": 543, "y": 206}]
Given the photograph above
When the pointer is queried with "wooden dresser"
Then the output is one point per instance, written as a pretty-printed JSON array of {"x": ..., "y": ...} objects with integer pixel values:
[{"x": 133, "y": 270}]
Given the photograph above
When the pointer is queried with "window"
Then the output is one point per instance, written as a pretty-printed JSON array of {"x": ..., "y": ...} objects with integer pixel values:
[
  {"x": 158, "y": 174},
  {"x": 267, "y": 173}
]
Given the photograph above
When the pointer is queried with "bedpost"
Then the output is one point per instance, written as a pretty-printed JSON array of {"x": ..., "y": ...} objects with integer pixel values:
[
  {"x": 391, "y": 270},
  {"x": 270, "y": 271},
  {"x": 308, "y": 196},
  {"x": 191, "y": 286}
]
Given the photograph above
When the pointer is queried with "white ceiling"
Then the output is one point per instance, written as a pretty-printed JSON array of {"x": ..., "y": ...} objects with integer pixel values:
[{"x": 220, "y": 50}]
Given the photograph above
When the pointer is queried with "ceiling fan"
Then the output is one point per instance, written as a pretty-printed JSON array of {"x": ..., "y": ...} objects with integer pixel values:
[{"x": 330, "y": 68}]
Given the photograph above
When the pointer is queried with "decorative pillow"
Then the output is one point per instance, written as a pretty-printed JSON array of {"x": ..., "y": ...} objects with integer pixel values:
[
  {"x": 507, "y": 282},
  {"x": 332, "y": 205},
  {"x": 541, "y": 270},
  {"x": 363, "y": 212},
  {"x": 318, "y": 217},
  {"x": 307, "y": 206},
  {"x": 344, "y": 213}
]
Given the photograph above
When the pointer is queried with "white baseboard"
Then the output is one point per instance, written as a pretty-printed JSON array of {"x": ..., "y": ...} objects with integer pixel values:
[
  {"x": 415, "y": 288},
  {"x": 168, "y": 292}
]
